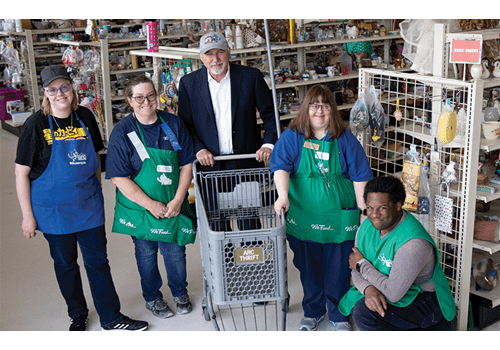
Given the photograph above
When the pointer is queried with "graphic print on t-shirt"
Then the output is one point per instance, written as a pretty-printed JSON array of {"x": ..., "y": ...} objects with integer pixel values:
[{"x": 68, "y": 133}]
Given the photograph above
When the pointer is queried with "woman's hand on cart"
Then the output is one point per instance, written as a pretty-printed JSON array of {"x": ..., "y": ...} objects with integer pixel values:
[
  {"x": 281, "y": 203},
  {"x": 173, "y": 208},
  {"x": 263, "y": 154},
  {"x": 205, "y": 158}
]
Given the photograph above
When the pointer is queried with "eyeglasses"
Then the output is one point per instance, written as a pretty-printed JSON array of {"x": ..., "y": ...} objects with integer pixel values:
[
  {"x": 140, "y": 99},
  {"x": 314, "y": 107},
  {"x": 53, "y": 91}
]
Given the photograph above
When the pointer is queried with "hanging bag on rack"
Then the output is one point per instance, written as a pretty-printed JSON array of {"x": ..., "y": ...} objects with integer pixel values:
[
  {"x": 377, "y": 118},
  {"x": 411, "y": 178},
  {"x": 443, "y": 211}
]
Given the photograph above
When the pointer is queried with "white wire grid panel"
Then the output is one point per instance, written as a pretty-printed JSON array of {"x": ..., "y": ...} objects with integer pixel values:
[{"x": 421, "y": 100}]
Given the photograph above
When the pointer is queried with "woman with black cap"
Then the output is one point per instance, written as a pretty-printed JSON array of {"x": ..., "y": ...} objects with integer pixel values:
[{"x": 58, "y": 187}]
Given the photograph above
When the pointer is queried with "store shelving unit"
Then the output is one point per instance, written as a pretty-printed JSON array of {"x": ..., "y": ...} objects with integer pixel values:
[{"x": 299, "y": 50}]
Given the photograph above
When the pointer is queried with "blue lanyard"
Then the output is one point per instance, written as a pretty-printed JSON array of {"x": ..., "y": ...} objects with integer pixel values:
[
  {"x": 319, "y": 164},
  {"x": 171, "y": 136}
]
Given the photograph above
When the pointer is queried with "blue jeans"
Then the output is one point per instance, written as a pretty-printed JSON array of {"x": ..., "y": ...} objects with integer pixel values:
[
  {"x": 64, "y": 252},
  {"x": 422, "y": 314},
  {"x": 324, "y": 274},
  {"x": 174, "y": 258}
]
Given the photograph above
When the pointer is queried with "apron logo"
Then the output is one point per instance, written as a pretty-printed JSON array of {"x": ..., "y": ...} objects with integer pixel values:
[
  {"x": 77, "y": 158},
  {"x": 165, "y": 181},
  {"x": 291, "y": 221},
  {"x": 188, "y": 231},
  {"x": 321, "y": 227},
  {"x": 160, "y": 231},
  {"x": 351, "y": 228},
  {"x": 386, "y": 262},
  {"x": 128, "y": 224}
]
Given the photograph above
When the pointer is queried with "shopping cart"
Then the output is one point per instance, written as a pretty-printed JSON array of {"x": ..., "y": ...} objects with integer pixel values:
[{"x": 243, "y": 248}]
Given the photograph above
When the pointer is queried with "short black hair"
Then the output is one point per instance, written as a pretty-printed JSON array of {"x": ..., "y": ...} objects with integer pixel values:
[{"x": 386, "y": 184}]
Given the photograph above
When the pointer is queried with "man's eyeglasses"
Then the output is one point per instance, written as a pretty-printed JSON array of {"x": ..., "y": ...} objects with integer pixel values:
[
  {"x": 315, "y": 107},
  {"x": 140, "y": 99},
  {"x": 53, "y": 91}
]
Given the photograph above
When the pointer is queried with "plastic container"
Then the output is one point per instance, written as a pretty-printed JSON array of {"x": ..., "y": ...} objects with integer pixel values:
[
  {"x": 152, "y": 35},
  {"x": 345, "y": 63},
  {"x": 9, "y": 94}
]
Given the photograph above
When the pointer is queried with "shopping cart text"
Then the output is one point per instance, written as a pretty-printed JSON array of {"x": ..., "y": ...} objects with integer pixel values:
[{"x": 248, "y": 255}]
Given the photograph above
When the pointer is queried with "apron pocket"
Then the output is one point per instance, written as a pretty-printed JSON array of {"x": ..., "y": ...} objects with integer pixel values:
[
  {"x": 143, "y": 225},
  {"x": 350, "y": 223}
]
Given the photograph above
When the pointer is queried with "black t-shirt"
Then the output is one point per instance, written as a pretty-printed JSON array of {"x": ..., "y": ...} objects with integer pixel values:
[{"x": 35, "y": 142}]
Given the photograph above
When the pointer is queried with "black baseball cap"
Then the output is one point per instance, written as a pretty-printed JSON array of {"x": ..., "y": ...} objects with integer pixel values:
[{"x": 51, "y": 73}]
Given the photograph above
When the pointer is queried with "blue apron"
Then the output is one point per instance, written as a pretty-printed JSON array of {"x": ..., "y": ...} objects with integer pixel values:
[{"x": 67, "y": 197}]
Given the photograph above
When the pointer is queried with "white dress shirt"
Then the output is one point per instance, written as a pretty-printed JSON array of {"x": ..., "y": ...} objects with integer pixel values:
[
  {"x": 220, "y": 94},
  {"x": 221, "y": 100}
]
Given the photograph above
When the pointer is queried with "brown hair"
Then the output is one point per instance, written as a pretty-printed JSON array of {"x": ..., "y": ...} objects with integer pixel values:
[
  {"x": 47, "y": 110},
  {"x": 132, "y": 83},
  {"x": 301, "y": 122}
]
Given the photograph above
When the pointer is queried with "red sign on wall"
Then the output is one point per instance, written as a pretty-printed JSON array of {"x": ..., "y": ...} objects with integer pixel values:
[{"x": 466, "y": 50}]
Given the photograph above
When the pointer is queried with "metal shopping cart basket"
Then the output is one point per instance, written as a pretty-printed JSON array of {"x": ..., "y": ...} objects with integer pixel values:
[{"x": 243, "y": 248}]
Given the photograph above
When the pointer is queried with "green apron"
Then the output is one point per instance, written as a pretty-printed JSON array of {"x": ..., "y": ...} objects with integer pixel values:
[
  {"x": 158, "y": 178},
  {"x": 381, "y": 252},
  {"x": 322, "y": 202}
]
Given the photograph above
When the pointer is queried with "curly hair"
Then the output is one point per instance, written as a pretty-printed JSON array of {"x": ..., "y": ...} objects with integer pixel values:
[
  {"x": 386, "y": 184},
  {"x": 301, "y": 122}
]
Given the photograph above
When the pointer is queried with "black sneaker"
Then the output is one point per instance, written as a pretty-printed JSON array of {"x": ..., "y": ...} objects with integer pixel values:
[
  {"x": 78, "y": 323},
  {"x": 183, "y": 304},
  {"x": 127, "y": 324}
]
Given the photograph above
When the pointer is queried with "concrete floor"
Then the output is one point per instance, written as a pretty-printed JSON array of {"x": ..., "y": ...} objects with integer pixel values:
[{"x": 29, "y": 296}]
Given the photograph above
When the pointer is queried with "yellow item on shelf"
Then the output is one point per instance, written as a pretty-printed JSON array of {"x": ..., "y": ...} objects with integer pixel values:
[{"x": 447, "y": 127}]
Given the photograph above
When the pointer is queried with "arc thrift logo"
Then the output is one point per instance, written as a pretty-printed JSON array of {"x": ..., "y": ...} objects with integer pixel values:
[{"x": 77, "y": 158}]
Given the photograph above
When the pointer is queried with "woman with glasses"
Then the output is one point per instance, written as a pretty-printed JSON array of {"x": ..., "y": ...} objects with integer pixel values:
[
  {"x": 58, "y": 185},
  {"x": 149, "y": 159},
  {"x": 320, "y": 170}
]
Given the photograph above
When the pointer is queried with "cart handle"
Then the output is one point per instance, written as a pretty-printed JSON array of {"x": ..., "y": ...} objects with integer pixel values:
[
  {"x": 229, "y": 157},
  {"x": 235, "y": 156}
]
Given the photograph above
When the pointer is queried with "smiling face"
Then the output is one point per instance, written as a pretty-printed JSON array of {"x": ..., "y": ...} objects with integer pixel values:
[
  {"x": 382, "y": 212},
  {"x": 217, "y": 62},
  {"x": 319, "y": 118},
  {"x": 61, "y": 101},
  {"x": 146, "y": 109}
]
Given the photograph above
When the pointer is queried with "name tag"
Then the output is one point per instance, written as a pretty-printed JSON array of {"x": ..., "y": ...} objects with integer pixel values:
[
  {"x": 322, "y": 155},
  {"x": 310, "y": 145},
  {"x": 164, "y": 168}
]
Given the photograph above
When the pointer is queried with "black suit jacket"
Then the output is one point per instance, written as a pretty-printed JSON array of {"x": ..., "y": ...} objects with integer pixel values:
[{"x": 248, "y": 92}]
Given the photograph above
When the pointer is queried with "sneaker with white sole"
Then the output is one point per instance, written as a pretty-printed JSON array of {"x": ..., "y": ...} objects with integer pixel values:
[
  {"x": 310, "y": 324},
  {"x": 159, "y": 308},
  {"x": 183, "y": 304},
  {"x": 341, "y": 326},
  {"x": 126, "y": 324}
]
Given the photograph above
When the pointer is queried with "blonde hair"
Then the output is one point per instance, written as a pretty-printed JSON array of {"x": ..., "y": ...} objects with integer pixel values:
[
  {"x": 47, "y": 110},
  {"x": 301, "y": 123}
]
